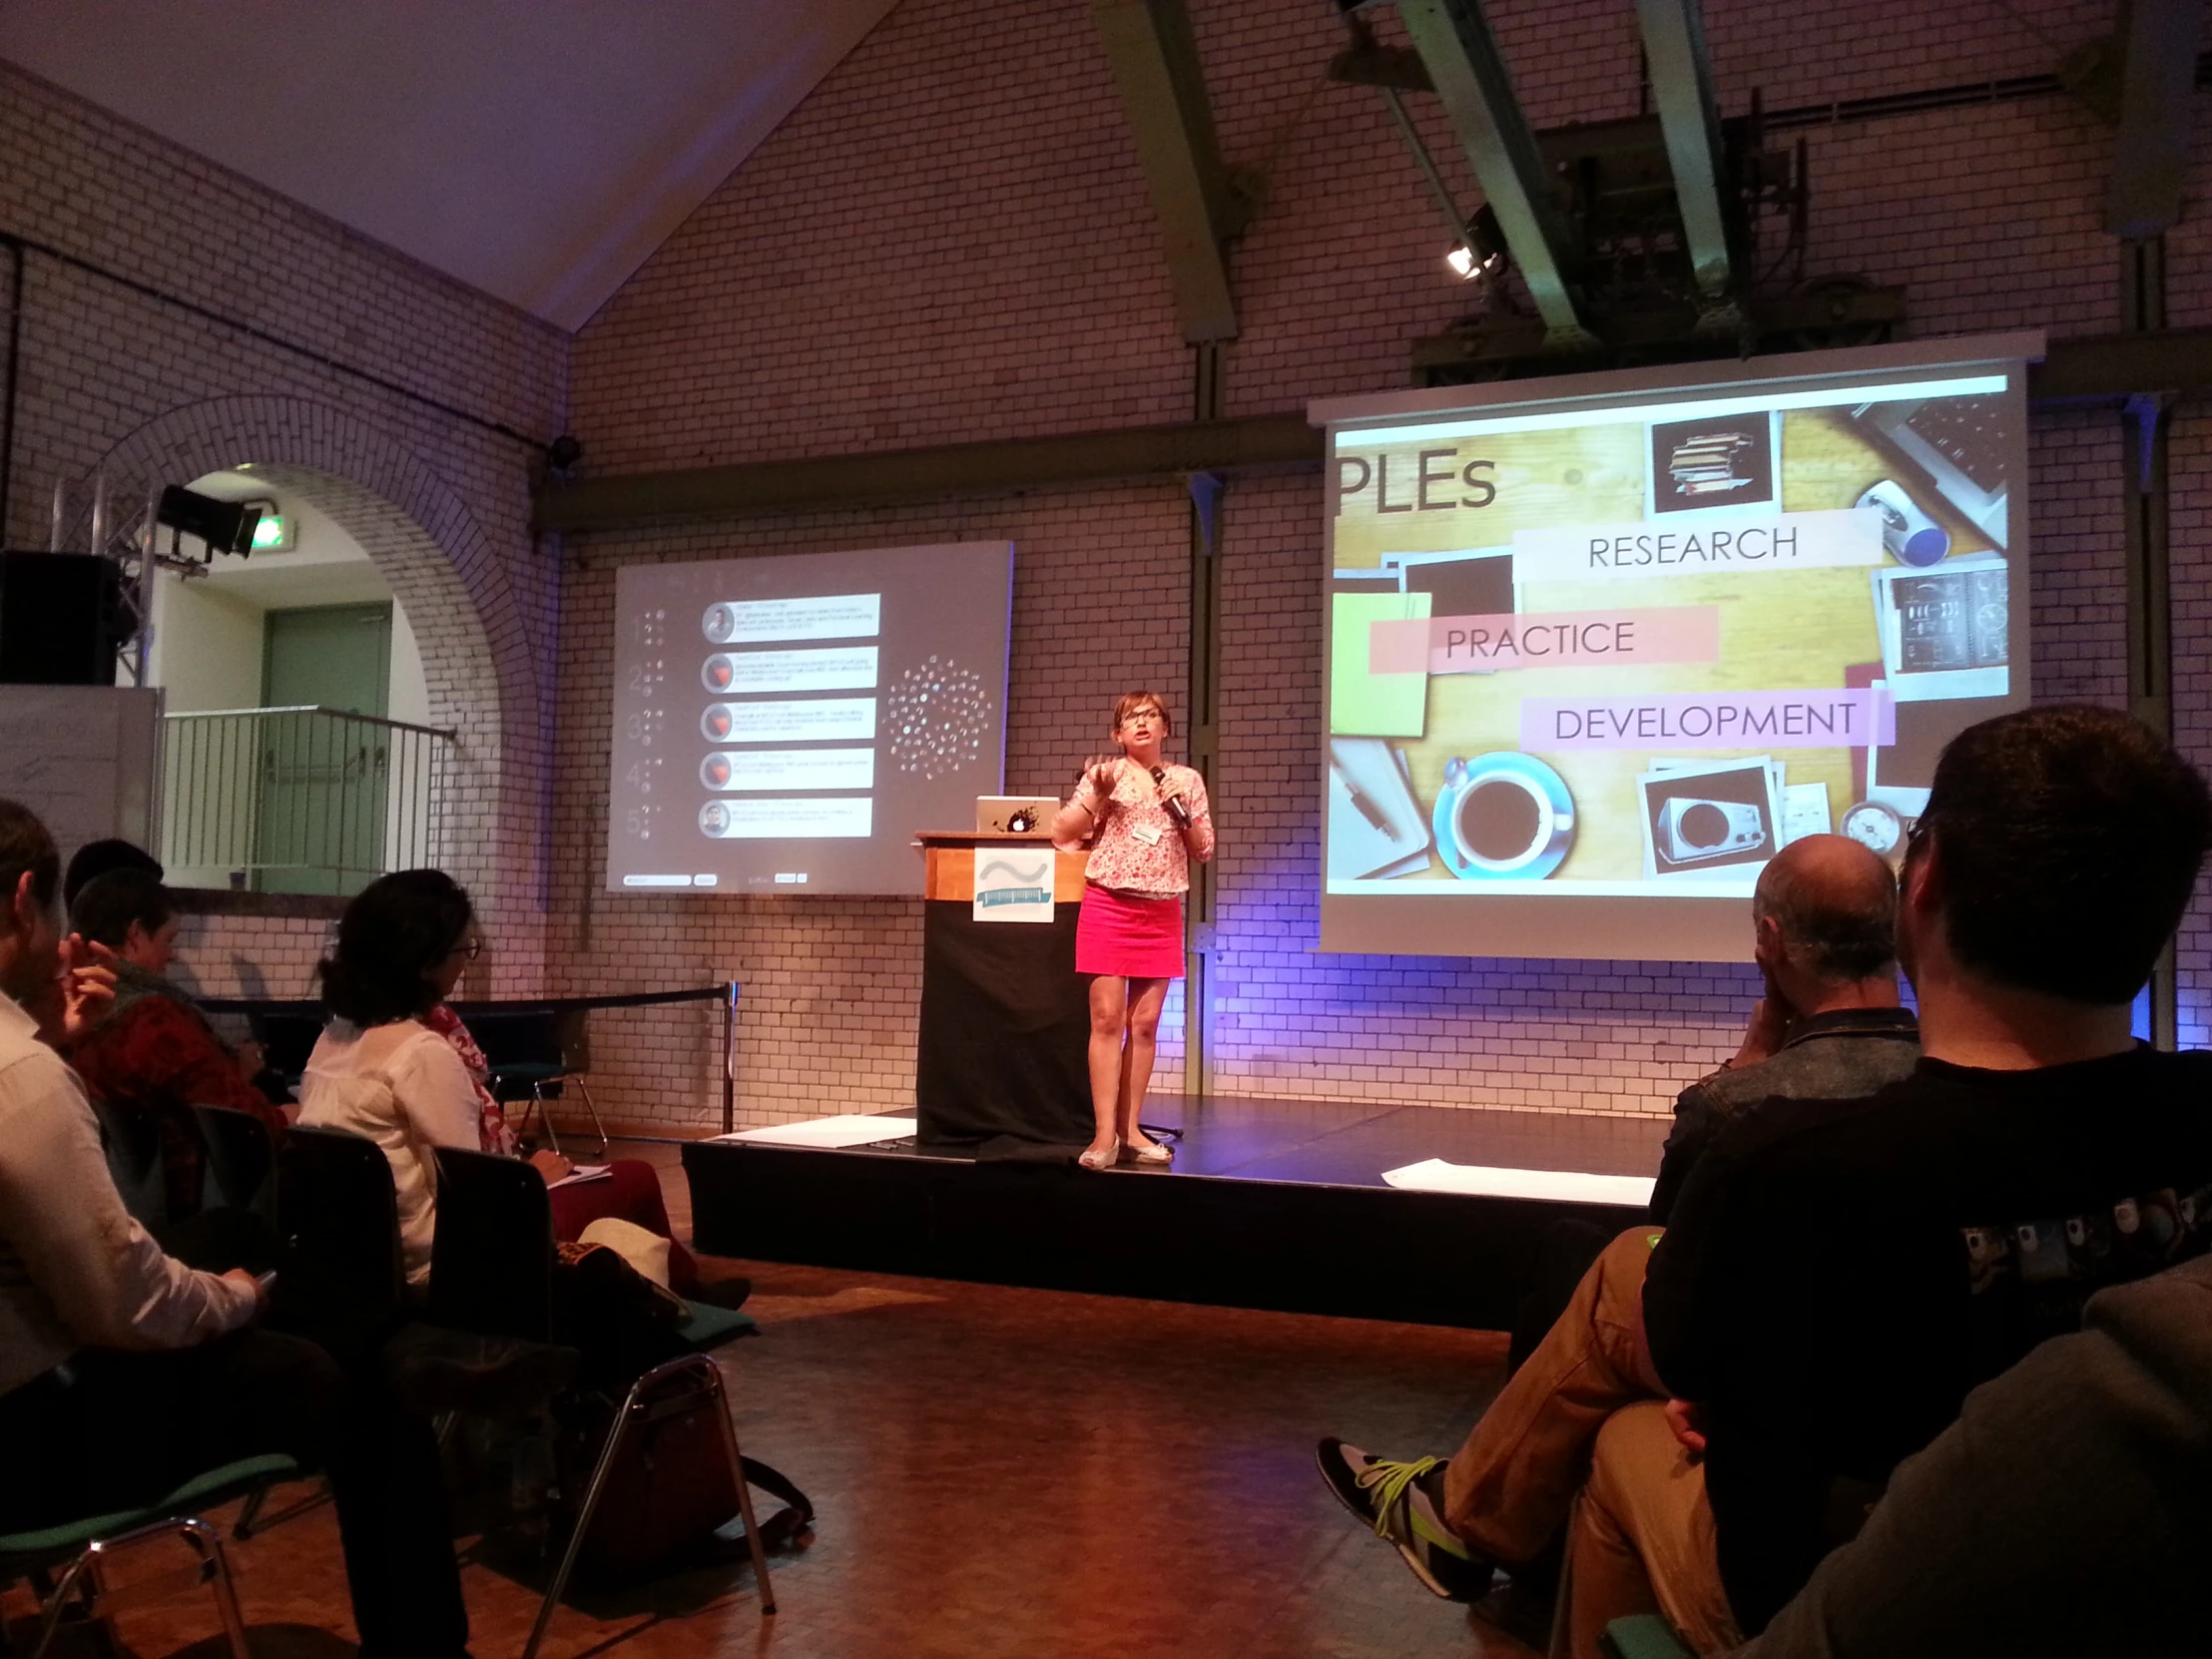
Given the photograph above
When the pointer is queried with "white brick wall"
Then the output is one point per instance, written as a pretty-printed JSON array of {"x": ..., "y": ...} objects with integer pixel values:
[
  {"x": 944, "y": 243},
  {"x": 146, "y": 392},
  {"x": 949, "y": 240}
]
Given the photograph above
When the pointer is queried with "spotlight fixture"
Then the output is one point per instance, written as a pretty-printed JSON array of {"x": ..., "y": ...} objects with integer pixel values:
[
  {"x": 1481, "y": 252},
  {"x": 225, "y": 526},
  {"x": 563, "y": 453}
]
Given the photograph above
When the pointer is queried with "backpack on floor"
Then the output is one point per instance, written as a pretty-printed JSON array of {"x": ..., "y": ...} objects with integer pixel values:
[{"x": 669, "y": 1499}]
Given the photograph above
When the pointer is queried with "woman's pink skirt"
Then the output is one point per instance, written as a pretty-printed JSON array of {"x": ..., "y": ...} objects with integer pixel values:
[{"x": 1130, "y": 937}]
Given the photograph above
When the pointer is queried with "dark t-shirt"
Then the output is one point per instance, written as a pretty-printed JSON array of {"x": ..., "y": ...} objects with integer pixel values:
[{"x": 1838, "y": 1275}]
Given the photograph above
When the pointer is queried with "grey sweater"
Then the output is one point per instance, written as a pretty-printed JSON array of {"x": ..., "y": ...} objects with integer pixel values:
[{"x": 2067, "y": 1511}]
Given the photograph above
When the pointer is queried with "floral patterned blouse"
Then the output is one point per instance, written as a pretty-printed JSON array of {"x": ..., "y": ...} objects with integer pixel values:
[{"x": 1138, "y": 848}]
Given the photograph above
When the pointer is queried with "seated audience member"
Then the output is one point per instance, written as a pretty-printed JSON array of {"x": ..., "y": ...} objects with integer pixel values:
[
  {"x": 1823, "y": 936},
  {"x": 124, "y": 1373},
  {"x": 1834, "y": 1282},
  {"x": 396, "y": 1065},
  {"x": 154, "y": 1052},
  {"x": 1824, "y": 923},
  {"x": 97, "y": 858},
  {"x": 2063, "y": 1513}
]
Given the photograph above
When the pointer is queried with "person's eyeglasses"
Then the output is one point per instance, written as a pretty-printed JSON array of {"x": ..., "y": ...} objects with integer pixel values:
[{"x": 470, "y": 948}]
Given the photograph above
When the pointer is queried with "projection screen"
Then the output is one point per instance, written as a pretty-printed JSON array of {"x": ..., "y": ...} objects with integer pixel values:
[
  {"x": 785, "y": 723},
  {"x": 1597, "y": 648}
]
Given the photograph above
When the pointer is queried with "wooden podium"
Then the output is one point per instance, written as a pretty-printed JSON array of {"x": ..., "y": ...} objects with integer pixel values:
[{"x": 1003, "y": 1052}]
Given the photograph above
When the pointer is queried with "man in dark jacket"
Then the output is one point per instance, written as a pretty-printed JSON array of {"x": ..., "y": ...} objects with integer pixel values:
[
  {"x": 1824, "y": 928},
  {"x": 1838, "y": 1277},
  {"x": 1824, "y": 925}
]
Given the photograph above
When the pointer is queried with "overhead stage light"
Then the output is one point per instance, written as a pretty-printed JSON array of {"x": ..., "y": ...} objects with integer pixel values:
[
  {"x": 1481, "y": 252},
  {"x": 226, "y": 526}
]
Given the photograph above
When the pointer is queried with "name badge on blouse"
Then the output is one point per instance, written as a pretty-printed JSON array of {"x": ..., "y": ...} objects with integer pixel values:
[{"x": 1146, "y": 832}]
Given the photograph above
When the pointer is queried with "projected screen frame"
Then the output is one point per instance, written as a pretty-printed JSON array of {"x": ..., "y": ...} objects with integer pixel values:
[
  {"x": 1704, "y": 918},
  {"x": 782, "y": 723}
]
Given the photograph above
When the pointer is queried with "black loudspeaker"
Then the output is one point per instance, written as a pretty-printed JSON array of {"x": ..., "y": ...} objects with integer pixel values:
[{"x": 59, "y": 617}]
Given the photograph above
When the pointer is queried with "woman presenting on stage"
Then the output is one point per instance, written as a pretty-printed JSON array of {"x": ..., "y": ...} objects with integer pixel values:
[{"x": 1144, "y": 821}]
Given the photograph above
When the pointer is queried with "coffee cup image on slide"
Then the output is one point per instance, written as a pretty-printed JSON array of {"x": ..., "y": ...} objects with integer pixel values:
[{"x": 1504, "y": 817}]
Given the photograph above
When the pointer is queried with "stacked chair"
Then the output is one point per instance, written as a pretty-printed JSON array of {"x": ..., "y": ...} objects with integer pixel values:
[{"x": 530, "y": 1053}]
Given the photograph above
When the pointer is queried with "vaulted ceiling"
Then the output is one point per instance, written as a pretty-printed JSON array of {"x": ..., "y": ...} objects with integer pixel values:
[{"x": 538, "y": 150}]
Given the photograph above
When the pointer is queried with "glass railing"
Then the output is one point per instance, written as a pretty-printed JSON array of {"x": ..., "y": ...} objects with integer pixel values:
[{"x": 298, "y": 800}]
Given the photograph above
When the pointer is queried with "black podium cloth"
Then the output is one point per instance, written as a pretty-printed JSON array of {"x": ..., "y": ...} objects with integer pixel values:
[{"x": 1006, "y": 1032}]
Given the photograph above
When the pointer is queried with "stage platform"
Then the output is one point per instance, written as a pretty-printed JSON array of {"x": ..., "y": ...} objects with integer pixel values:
[{"x": 1269, "y": 1204}]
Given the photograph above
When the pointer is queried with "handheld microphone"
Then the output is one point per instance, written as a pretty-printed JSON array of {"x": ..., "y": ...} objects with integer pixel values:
[{"x": 1173, "y": 803}]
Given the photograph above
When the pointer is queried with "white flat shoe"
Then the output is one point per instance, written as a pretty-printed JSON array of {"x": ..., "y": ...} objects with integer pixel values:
[
  {"x": 1159, "y": 1152},
  {"x": 1092, "y": 1158}
]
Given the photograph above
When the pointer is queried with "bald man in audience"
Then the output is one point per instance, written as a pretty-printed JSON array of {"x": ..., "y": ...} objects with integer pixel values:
[{"x": 1829, "y": 1027}]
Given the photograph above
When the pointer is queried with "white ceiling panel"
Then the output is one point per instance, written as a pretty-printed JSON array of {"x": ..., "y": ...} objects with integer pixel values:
[{"x": 538, "y": 150}]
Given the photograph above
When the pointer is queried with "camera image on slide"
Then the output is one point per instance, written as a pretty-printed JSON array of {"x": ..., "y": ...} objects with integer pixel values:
[{"x": 1700, "y": 816}]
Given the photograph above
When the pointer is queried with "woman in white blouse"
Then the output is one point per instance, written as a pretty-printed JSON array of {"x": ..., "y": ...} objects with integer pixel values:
[
  {"x": 378, "y": 1070},
  {"x": 397, "y": 1066}
]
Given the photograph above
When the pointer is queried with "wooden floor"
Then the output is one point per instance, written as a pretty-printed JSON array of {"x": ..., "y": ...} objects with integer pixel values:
[{"x": 999, "y": 1472}]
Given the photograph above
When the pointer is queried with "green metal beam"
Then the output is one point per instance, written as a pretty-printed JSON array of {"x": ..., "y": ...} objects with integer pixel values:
[
  {"x": 1682, "y": 86},
  {"x": 1163, "y": 93},
  {"x": 2150, "y": 152},
  {"x": 2098, "y": 369},
  {"x": 1456, "y": 44},
  {"x": 1254, "y": 443}
]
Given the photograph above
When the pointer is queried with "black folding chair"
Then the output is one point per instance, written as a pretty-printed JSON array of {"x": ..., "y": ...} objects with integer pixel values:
[
  {"x": 288, "y": 1038},
  {"x": 340, "y": 1224},
  {"x": 132, "y": 1144},
  {"x": 241, "y": 1160},
  {"x": 492, "y": 1271},
  {"x": 529, "y": 1062},
  {"x": 491, "y": 1262}
]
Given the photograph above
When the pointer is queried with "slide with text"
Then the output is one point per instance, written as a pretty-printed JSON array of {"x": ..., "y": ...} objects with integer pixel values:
[{"x": 1637, "y": 650}]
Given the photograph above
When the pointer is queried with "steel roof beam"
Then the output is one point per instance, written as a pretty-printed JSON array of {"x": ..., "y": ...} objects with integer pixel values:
[
  {"x": 1682, "y": 86},
  {"x": 2150, "y": 153},
  {"x": 1163, "y": 93},
  {"x": 1454, "y": 41}
]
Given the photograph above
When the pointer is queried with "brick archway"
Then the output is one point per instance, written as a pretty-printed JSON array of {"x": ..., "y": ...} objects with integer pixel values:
[{"x": 445, "y": 574}]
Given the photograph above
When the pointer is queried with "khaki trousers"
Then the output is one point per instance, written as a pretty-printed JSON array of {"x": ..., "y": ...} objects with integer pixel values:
[{"x": 1585, "y": 1415}]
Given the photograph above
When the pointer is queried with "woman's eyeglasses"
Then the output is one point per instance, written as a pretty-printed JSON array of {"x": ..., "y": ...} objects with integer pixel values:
[{"x": 470, "y": 948}]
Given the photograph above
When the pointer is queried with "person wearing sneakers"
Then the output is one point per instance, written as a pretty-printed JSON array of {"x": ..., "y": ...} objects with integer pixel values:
[
  {"x": 1144, "y": 821},
  {"x": 1838, "y": 1276},
  {"x": 1823, "y": 919}
]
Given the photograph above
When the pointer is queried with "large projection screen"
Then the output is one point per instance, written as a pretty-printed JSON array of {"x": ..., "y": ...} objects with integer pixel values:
[
  {"x": 785, "y": 723},
  {"x": 1597, "y": 648}
]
